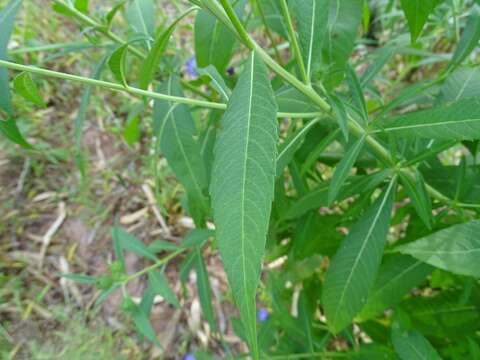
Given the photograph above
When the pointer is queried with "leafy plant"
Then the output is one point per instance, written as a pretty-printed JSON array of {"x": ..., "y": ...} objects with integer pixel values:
[{"x": 317, "y": 156}]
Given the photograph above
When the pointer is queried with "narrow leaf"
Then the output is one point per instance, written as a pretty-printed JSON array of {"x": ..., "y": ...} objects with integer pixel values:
[
  {"x": 412, "y": 345},
  {"x": 417, "y": 192},
  {"x": 357, "y": 94},
  {"x": 216, "y": 81},
  {"x": 10, "y": 130},
  {"x": 159, "y": 284},
  {"x": 354, "y": 268},
  {"x": 343, "y": 169},
  {"x": 470, "y": 37},
  {"x": 131, "y": 243},
  {"x": 417, "y": 12},
  {"x": 204, "y": 289},
  {"x": 197, "y": 238},
  {"x": 242, "y": 185},
  {"x": 25, "y": 87},
  {"x": 340, "y": 113},
  {"x": 396, "y": 277},
  {"x": 459, "y": 120},
  {"x": 175, "y": 129},
  {"x": 312, "y": 24},
  {"x": 144, "y": 326},
  {"x": 7, "y": 18},
  {"x": 273, "y": 16},
  {"x": 117, "y": 64},
  {"x": 454, "y": 249},
  {"x": 80, "y": 278},
  {"x": 141, "y": 18},
  {"x": 81, "y": 5}
]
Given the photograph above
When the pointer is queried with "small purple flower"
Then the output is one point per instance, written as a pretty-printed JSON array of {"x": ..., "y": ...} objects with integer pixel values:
[
  {"x": 262, "y": 315},
  {"x": 189, "y": 356},
  {"x": 231, "y": 71},
  {"x": 191, "y": 66}
]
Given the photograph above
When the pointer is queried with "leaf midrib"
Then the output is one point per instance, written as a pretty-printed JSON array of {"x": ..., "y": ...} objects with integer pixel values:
[{"x": 414, "y": 126}]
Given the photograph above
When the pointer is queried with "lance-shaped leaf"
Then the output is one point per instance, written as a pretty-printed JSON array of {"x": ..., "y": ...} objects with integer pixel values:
[
  {"x": 454, "y": 249},
  {"x": 25, "y": 87},
  {"x": 204, "y": 289},
  {"x": 416, "y": 12},
  {"x": 175, "y": 129},
  {"x": 150, "y": 64},
  {"x": 7, "y": 18},
  {"x": 418, "y": 194},
  {"x": 10, "y": 130},
  {"x": 354, "y": 268},
  {"x": 459, "y": 120},
  {"x": 312, "y": 20},
  {"x": 216, "y": 81},
  {"x": 343, "y": 169},
  {"x": 242, "y": 184},
  {"x": 129, "y": 242},
  {"x": 116, "y": 62},
  {"x": 273, "y": 16},
  {"x": 470, "y": 37},
  {"x": 356, "y": 91},
  {"x": 397, "y": 275},
  {"x": 158, "y": 282},
  {"x": 141, "y": 18},
  {"x": 344, "y": 19},
  {"x": 411, "y": 345}
]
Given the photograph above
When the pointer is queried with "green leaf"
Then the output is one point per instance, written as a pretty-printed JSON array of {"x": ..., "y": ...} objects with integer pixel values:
[
  {"x": 214, "y": 42},
  {"x": 382, "y": 56},
  {"x": 291, "y": 145},
  {"x": 242, "y": 185},
  {"x": 162, "y": 245},
  {"x": 7, "y": 18},
  {"x": 141, "y": 18},
  {"x": 150, "y": 65},
  {"x": 81, "y": 5},
  {"x": 353, "y": 269},
  {"x": 175, "y": 129},
  {"x": 455, "y": 249},
  {"x": 463, "y": 83},
  {"x": 131, "y": 132},
  {"x": 80, "y": 278},
  {"x": 204, "y": 289},
  {"x": 418, "y": 194},
  {"x": 396, "y": 277},
  {"x": 357, "y": 94},
  {"x": 343, "y": 23},
  {"x": 143, "y": 325},
  {"x": 312, "y": 24},
  {"x": 289, "y": 99},
  {"x": 343, "y": 169},
  {"x": 131, "y": 243},
  {"x": 115, "y": 9},
  {"x": 197, "y": 238},
  {"x": 216, "y": 81},
  {"x": 412, "y": 345},
  {"x": 273, "y": 16},
  {"x": 459, "y": 120},
  {"x": 10, "y": 130},
  {"x": 117, "y": 64},
  {"x": 470, "y": 37},
  {"x": 340, "y": 113},
  {"x": 25, "y": 87},
  {"x": 417, "y": 12},
  {"x": 159, "y": 284}
]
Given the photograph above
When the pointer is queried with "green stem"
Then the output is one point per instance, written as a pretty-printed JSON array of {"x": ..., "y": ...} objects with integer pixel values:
[
  {"x": 294, "y": 42},
  {"x": 135, "y": 91},
  {"x": 269, "y": 33},
  {"x": 156, "y": 265}
]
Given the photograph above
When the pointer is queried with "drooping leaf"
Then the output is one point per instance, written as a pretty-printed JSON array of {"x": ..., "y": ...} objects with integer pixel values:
[
  {"x": 354, "y": 268},
  {"x": 204, "y": 289},
  {"x": 312, "y": 19},
  {"x": 175, "y": 129},
  {"x": 417, "y": 12},
  {"x": 397, "y": 275},
  {"x": 214, "y": 42},
  {"x": 7, "y": 18},
  {"x": 291, "y": 145},
  {"x": 417, "y": 192},
  {"x": 242, "y": 184},
  {"x": 411, "y": 345},
  {"x": 150, "y": 65},
  {"x": 454, "y": 249},
  {"x": 141, "y": 18},
  {"x": 25, "y": 87},
  {"x": 130, "y": 243},
  {"x": 159, "y": 284},
  {"x": 273, "y": 16},
  {"x": 343, "y": 169},
  {"x": 470, "y": 37},
  {"x": 358, "y": 98},
  {"x": 116, "y": 62},
  {"x": 216, "y": 81},
  {"x": 343, "y": 22},
  {"x": 459, "y": 120},
  {"x": 10, "y": 130}
]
